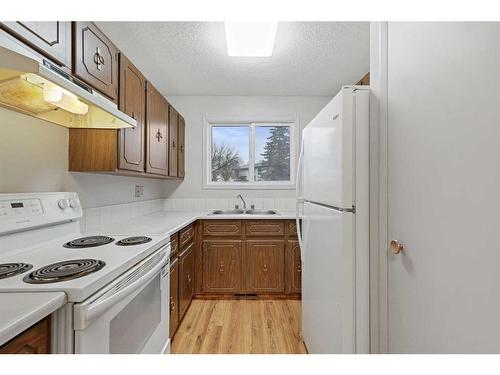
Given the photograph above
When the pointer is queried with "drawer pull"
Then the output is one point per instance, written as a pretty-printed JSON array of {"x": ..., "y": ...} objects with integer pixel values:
[
  {"x": 172, "y": 304},
  {"x": 221, "y": 267}
]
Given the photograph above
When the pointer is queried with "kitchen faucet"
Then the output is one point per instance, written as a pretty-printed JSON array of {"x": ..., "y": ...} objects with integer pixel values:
[{"x": 244, "y": 203}]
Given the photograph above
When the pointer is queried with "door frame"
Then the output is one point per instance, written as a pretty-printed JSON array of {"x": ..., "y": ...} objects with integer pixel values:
[{"x": 378, "y": 187}]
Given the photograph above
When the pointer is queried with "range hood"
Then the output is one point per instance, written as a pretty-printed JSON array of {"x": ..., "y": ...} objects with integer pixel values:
[{"x": 38, "y": 88}]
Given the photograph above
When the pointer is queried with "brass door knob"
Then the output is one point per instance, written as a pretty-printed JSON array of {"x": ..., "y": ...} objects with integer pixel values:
[{"x": 396, "y": 246}]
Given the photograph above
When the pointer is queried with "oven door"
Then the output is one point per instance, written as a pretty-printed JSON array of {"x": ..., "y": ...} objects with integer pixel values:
[{"x": 130, "y": 315}]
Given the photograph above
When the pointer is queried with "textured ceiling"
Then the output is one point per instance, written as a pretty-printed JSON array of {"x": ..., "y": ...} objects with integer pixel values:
[{"x": 190, "y": 58}]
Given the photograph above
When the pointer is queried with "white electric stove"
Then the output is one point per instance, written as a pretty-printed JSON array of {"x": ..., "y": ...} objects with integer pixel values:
[{"x": 117, "y": 286}]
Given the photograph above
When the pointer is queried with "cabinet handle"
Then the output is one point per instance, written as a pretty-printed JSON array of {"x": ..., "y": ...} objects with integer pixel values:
[
  {"x": 265, "y": 267},
  {"x": 221, "y": 267},
  {"x": 189, "y": 278},
  {"x": 172, "y": 304},
  {"x": 173, "y": 145},
  {"x": 98, "y": 59},
  {"x": 158, "y": 135},
  {"x": 181, "y": 148},
  {"x": 299, "y": 268}
]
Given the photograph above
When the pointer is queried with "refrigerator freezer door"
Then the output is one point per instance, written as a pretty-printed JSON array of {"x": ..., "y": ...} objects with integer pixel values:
[
  {"x": 329, "y": 153},
  {"x": 328, "y": 280}
]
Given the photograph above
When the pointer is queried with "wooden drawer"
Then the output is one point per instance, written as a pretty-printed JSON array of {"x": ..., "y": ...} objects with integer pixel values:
[
  {"x": 186, "y": 236},
  {"x": 265, "y": 228},
  {"x": 222, "y": 228},
  {"x": 35, "y": 340},
  {"x": 174, "y": 245}
]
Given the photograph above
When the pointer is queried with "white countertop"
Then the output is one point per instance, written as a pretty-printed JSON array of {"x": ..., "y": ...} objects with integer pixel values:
[
  {"x": 168, "y": 222},
  {"x": 19, "y": 311}
]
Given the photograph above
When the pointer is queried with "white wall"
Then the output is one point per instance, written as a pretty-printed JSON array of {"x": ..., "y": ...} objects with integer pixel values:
[
  {"x": 195, "y": 108},
  {"x": 34, "y": 157}
]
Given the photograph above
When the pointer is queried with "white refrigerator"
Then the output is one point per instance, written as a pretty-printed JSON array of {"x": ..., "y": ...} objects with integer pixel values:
[{"x": 332, "y": 203}]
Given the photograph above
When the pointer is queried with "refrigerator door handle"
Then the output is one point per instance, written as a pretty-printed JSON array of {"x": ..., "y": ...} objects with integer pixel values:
[{"x": 298, "y": 198}]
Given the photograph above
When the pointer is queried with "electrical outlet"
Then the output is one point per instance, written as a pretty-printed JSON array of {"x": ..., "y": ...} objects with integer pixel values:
[{"x": 139, "y": 191}]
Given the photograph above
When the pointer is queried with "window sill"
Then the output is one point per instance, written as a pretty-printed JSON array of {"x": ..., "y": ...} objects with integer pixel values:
[{"x": 287, "y": 186}]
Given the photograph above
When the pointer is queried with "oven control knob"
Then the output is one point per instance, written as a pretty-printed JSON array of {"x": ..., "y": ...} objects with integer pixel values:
[
  {"x": 63, "y": 203},
  {"x": 73, "y": 203}
]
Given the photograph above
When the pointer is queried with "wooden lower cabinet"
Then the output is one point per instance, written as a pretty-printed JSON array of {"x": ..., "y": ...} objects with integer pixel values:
[
  {"x": 265, "y": 266},
  {"x": 222, "y": 266},
  {"x": 186, "y": 278},
  {"x": 294, "y": 267},
  {"x": 174, "y": 297},
  {"x": 35, "y": 340}
]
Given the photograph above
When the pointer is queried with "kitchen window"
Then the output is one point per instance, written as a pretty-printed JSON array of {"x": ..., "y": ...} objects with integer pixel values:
[{"x": 250, "y": 155}]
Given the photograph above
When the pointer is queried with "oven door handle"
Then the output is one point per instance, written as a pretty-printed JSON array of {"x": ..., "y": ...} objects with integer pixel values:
[{"x": 126, "y": 285}]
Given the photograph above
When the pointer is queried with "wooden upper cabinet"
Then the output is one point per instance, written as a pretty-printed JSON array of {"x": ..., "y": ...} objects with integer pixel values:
[
  {"x": 181, "y": 135},
  {"x": 52, "y": 39},
  {"x": 95, "y": 59},
  {"x": 156, "y": 132},
  {"x": 173, "y": 146},
  {"x": 222, "y": 266},
  {"x": 265, "y": 260},
  {"x": 131, "y": 144}
]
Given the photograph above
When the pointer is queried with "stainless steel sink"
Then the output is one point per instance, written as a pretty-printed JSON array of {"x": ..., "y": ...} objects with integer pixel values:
[
  {"x": 241, "y": 212},
  {"x": 261, "y": 212},
  {"x": 227, "y": 212}
]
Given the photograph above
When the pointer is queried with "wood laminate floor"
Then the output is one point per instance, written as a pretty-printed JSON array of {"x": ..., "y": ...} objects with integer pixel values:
[{"x": 240, "y": 327}]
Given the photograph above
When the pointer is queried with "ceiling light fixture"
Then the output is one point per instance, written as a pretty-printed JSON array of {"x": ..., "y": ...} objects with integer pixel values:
[{"x": 254, "y": 39}]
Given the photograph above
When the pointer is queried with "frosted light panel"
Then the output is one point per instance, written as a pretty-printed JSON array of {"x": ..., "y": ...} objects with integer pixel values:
[{"x": 254, "y": 39}]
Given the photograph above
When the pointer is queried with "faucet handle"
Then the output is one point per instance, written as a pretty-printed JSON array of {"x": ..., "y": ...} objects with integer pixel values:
[
  {"x": 236, "y": 207},
  {"x": 252, "y": 206}
]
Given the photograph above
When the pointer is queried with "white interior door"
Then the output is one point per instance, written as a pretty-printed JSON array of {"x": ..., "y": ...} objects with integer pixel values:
[{"x": 444, "y": 187}]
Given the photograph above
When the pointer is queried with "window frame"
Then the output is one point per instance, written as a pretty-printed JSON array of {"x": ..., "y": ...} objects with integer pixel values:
[{"x": 252, "y": 123}]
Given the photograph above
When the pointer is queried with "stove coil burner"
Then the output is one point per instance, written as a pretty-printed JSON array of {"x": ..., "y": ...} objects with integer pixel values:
[
  {"x": 92, "y": 241},
  {"x": 63, "y": 271},
  {"x": 130, "y": 241},
  {"x": 12, "y": 269}
]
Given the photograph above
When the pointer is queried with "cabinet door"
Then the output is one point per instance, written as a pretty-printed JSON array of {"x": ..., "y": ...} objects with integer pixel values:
[
  {"x": 156, "y": 132},
  {"x": 265, "y": 261},
  {"x": 173, "y": 142},
  {"x": 294, "y": 267},
  {"x": 186, "y": 279},
  {"x": 181, "y": 134},
  {"x": 53, "y": 39},
  {"x": 95, "y": 59},
  {"x": 222, "y": 266},
  {"x": 174, "y": 297},
  {"x": 133, "y": 102}
]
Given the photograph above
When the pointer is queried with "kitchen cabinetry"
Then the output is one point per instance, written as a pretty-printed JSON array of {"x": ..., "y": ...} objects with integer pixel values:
[
  {"x": 95, "y": 59},
  {"x": 174, "y": 297},
  {"x": 365, "y": 81},
  {"x": 186, "y": 279},
  {"x": 156, "y": 132},
  {"x": 294, "y": 267},
  {"x": 249, "y": 257},
  {"x": 181, "y": 133},
  {"x": 35, "y": 340},
  {"x": 173, "y": 146},
  {"x": 131, "y": 142},
  {"x": 52, "y": 39},
  {"x": 182, "y": 274},
  {"x": 222, "y": 266}
]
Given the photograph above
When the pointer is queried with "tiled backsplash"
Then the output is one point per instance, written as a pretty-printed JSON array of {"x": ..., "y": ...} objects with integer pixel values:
[
  {"x": 95, "y": 218},
  {"x": 213, "y": 204}
]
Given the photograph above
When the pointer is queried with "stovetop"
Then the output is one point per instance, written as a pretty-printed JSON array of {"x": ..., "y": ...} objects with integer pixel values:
[{"x": 96, "y": 265}]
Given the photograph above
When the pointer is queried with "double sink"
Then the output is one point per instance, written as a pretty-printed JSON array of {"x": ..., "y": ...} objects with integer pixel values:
[{"x": 243, "y": 212}]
